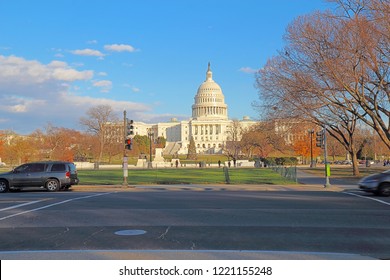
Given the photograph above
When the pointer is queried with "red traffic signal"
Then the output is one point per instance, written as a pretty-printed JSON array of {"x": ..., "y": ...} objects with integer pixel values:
[{"x": 128, "y": 144}]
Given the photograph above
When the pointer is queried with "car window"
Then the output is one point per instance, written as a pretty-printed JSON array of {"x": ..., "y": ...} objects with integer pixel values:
[
  {"x": 35, "y": 167},
  {"x": 22, "y": 168},
  {"x": 72, "y": 167},
  {"x": 58, "y": 167}
]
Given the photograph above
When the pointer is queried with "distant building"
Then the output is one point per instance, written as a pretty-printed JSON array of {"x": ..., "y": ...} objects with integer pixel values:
[{"x": 209, "y": 126}]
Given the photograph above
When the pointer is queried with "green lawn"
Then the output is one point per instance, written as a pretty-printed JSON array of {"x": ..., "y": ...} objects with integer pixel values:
[
  {"x": 182, "y": 176},
  {"x": 345, "y": 172}
]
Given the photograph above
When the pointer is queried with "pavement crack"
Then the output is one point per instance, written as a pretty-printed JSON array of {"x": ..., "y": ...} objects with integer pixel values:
[
  {"x": 162, "y": 236},
  {"x": 193, "y": 246},
  {"x": 86, "y": 240},
  {"x": 55, "y": 236}
]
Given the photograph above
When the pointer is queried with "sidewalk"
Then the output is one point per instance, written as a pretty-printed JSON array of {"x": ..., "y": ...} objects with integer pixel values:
[{"x": 311, "y": 179}]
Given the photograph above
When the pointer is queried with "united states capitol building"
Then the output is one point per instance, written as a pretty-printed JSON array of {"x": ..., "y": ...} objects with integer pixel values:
[{"x": 209, "y": 126}]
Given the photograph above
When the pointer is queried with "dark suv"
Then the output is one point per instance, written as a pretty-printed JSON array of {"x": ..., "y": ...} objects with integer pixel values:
[{"x": 52, "y": 175}]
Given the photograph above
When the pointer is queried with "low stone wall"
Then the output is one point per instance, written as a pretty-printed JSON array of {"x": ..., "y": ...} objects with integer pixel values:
[
  {"x": 92, "y": 165},
  {"x": 84, "y": 165}
]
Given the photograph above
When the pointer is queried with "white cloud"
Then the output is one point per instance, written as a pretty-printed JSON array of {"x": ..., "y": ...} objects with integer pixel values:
[
  {"x": 127, "y": 64},
  {"x": 248, "y": 70},
  {"x": 71, "y": 74},
  {"x": 119, "y": 48},
  {"x": 33, "y": 93},
  {"x": 135, "y": 89},
  {"x": 105, "y": 85},
  {"x": 118, "y": 106},
  {"x": 17, "y": 104},
  {"x": 88, "y": 52},
  {"x": 20, "y": 70}
]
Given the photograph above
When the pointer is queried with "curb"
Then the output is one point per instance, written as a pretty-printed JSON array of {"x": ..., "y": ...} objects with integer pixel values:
[{"x": 197, "y": 187}]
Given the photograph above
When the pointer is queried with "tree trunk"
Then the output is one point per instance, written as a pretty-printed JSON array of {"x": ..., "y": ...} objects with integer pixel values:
[{"x": 355, "y": 163}]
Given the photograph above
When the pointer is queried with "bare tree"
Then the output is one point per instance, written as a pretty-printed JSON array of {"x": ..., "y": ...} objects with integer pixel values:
[
  {"x": 364, "y": 46},
  {"x": 233, "y": 146},
  {"x": 262, "y": 140},
  {"x": 96, "y": 122},
  {"x": 289, "y": 93},
  {"x": 334, "y": 71}
]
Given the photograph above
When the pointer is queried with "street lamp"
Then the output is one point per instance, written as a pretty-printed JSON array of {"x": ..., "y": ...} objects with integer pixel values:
[
  {"x": 311, "y": 132},
  {"x": 150, "y": 135}
]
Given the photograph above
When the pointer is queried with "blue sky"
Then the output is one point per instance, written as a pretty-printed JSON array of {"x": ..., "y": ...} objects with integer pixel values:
[{"x": 59, "y": 58}]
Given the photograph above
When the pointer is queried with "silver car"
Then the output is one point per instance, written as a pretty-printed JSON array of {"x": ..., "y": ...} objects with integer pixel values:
[{"x": 378, "y": 183}]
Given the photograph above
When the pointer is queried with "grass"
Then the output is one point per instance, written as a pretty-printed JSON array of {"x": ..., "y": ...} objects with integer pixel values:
[
  {"x": 345, "y": 172},
  {"x": 182, "y": 176}
]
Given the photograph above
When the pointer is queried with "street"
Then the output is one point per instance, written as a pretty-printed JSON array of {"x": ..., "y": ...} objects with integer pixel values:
[{"x": 153, "y": 222}]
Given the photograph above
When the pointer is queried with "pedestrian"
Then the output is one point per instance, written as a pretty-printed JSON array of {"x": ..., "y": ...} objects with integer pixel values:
[
  {"x": 177, "y": 163},
  {"x": 219, "y": 163}
]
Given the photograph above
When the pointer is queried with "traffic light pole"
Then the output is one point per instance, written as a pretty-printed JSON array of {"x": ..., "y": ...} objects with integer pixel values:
[
  {"x": 321, "y": 142},
  {"x": 125, "y": 161},
  {"x": 327, "y": 164}
]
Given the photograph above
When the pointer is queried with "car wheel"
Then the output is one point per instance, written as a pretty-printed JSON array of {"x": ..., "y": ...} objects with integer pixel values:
[
  {"x": 52, "y": 185},
  {"x": 3, "y": 186},
  {"x": 384, "y": 189}
]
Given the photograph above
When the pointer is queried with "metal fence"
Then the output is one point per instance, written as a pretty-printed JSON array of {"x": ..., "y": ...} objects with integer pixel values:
[{"x": 289, "y": 172}]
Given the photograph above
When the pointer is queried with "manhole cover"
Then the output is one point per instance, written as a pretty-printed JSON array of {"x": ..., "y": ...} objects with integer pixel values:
[{"x": 130, "y": 232}]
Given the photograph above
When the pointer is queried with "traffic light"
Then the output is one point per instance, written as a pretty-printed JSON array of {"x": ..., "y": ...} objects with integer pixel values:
[
  {"x": 320, "y": 138},
  {"x": 128, "y": 144},
  {"x": 130, "y": 127}
]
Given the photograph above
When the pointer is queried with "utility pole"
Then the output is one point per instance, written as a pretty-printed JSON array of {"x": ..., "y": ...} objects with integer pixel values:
[
  {"x": 321, "y": 142},
  {"x": 125, "y": 159}
]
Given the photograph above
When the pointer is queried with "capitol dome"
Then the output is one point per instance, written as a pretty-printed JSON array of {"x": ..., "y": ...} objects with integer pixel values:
[{"x": 209, "y": 100}]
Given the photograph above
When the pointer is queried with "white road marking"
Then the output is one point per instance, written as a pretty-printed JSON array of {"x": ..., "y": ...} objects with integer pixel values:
[
  {"x": 366, "y": 197},
  {"x": 53, "y": 204},
  {"x": 20, "y": 205}
]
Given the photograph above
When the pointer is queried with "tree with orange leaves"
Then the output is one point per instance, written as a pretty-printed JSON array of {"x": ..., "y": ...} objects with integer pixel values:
[{"x": 303, "y": 148}]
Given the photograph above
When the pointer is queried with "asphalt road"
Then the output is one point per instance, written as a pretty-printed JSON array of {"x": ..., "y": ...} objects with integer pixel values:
[{"x": 201, "y": 222}]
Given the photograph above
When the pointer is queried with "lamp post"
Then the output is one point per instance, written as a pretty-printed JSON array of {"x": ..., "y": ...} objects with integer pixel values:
[
  {"x": 150, "y": 135},
  {"x": 327, "y": 164},
  {"x": 311, "y": 132}
]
